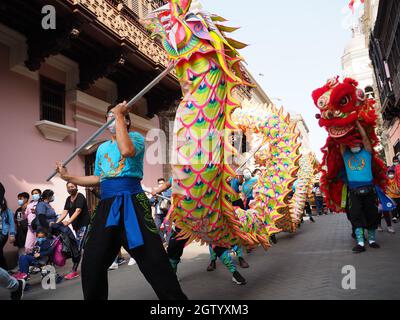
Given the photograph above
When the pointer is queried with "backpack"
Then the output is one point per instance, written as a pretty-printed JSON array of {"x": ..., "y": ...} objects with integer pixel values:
[{"x": 59, "y": 258}]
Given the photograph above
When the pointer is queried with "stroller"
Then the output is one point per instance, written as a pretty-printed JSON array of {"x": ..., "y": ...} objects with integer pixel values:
[{"x": 63, "y": 246}]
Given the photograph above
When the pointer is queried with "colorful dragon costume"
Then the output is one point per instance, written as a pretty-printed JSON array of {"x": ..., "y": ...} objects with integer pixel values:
[
  {"x": 305, "y": 179},
  {"x": 280, "y": 163},
  {"x": 341, "y": 104},
  {"x": 208, "y": 70}
]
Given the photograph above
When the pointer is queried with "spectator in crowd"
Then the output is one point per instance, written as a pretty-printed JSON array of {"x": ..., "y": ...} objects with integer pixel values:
[
  {"x": 393, "y": 191},
  {"x": 318, "y": 198},
  {"x": 396, "y": 162},
  {"x": 39, "y": 256},
  {"x": 30, "y": 215},
  {"x": 387, "y": 215},
  {"x": 161, "y": 208},
  {"x": 14, "y": 286},
  {"x": 2, "y": 192},
  {"x": 308, "y": 210},
  {"x": 77, "y": 209},
  {"x": 7, "y": 230},
  {"x": 21, "y": 223},
  {"x": 45, "y": 214}
]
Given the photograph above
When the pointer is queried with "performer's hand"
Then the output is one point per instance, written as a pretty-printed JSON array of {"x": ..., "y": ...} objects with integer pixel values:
[
  {"x": 65, "y": 223},
  {"x": 120, "y": 109},
  {"x": 61, "y": 170}
]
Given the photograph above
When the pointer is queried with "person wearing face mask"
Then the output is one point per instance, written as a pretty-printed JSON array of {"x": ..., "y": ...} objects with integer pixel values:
[
  {"x": 396, "y": 161},
  {"x": 362, "y": 195},
  {"x": 21, "y": 223},
  {"x": 45, "y": 214},
  {"x": 393, "y": 191},
  {"x": 39, "y": 255},
  {"x": 123, "y": 216},
  {"x": 161, "y": 208},
  {"x": 30, "y": 215},
  {"x": 77, "y": 209}
]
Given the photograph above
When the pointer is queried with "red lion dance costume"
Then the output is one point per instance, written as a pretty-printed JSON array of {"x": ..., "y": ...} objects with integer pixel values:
[{"x": 341, "y": 105}]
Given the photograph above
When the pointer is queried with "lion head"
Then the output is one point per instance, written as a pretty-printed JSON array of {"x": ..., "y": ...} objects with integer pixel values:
[{"x": 341, "y": 105}]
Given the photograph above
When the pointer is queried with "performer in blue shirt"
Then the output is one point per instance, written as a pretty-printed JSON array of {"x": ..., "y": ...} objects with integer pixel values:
[
  {"x": 123, "y": 216},
  {"x": 362, "y": 197}
]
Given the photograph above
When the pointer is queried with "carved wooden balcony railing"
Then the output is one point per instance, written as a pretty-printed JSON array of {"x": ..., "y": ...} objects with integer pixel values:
[{"x": 121, "y": 18}]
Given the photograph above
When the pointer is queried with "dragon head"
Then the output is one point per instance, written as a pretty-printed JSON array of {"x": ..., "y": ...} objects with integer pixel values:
[
  {"x": 341, "y": 105},
  {"x": 178, "y": 21}
]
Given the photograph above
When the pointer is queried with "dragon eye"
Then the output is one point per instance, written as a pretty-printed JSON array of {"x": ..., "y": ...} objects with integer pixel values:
[{"x": 345, "y": 100}]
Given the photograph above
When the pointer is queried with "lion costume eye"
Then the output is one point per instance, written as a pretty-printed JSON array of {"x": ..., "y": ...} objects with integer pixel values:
[
  {"x": 323, "y": 102},
  {"x": 344, "y": 101}
]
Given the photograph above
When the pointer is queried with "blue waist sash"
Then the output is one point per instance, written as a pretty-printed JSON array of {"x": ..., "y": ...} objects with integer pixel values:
[
  {"x": 387, "y": 203},
  {"x": 123, "y": 189}
]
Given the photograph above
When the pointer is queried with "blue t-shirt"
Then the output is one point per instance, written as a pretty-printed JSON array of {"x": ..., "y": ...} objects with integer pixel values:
[
  {"x": 247, "y": 188},
  {"x": 358, "y": 168},
  {"x": 110, "y": 164}
]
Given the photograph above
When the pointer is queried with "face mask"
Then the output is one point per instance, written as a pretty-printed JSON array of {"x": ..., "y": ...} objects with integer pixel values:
[
  {"x": 355, "y": 150},
  {"x": 391, "y": 176},
  {"x": 20, "y": 202},
  {"x": 72, "y": 191},
  {"x": 247, "y": 176},
  {"x": 36, "y": 197},
  {"x": 40, "y": 240},
  {"x": 52, "y": 199},
  {"x": 112, "y": 128}
]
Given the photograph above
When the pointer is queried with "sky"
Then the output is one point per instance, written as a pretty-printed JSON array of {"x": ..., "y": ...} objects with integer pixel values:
[{"x": 296, "y": 45}]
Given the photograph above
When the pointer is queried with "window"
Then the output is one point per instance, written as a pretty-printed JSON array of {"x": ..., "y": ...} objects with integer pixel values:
[{"x": 52, "y": 101}]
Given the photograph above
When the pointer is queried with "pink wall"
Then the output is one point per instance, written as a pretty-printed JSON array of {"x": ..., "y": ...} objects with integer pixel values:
[{"x": 27, "y": 157}]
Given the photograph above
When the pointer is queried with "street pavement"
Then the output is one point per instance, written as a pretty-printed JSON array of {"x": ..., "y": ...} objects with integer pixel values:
[{"x": 306, "y": 265}]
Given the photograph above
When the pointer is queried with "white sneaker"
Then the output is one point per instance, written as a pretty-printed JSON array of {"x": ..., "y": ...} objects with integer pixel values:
[
  {"x": 131, "y": 262},
  {"x": 114, "y": 266},
  {"x": 380, "y": 229},
  {"x": 391, "y": 230}
]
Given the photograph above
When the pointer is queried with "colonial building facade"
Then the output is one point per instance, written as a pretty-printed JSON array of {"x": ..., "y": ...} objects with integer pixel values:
[
  {"x": 56, "y": 84},
  {"x": 384, "y": 49}
]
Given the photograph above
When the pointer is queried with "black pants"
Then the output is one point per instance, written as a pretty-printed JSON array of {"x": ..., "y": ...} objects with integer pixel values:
[
  {"x": 396, "y": 212},
  {"x": 3, "y": 242},
  {"x": 363, "y": 210},
  {"x": 175, "y": 248},
  {"x": 238, "y": 203},
  {"x": 103, "y": 245}
]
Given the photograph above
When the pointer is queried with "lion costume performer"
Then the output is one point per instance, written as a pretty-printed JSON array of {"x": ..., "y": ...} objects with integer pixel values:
[
  {"x": 341, "y": 104},
  {"x": 353, "y": 177}
]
